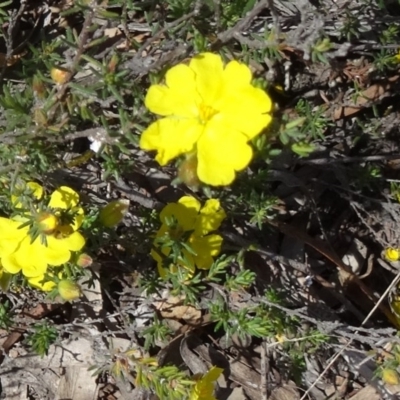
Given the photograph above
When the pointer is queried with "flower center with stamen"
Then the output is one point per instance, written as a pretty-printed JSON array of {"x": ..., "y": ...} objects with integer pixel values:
[{"x": 206, "y": 113}]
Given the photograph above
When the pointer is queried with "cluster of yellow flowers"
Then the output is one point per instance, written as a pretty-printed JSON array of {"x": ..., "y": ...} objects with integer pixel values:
[
  {"x": 187, "y": 220},
  {"x": 209, "y": 112},
  {"x": 33, "y": 240}
]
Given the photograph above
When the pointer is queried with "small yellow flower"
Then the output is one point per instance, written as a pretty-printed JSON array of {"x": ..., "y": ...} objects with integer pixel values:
[
  {"x": 210, "y": 110},
  {"x": 204, "y": 388},
  {"x": 19, "y": 253},
  {"x": 200, "y": 221},
  {"x": 392, "y": 254}
]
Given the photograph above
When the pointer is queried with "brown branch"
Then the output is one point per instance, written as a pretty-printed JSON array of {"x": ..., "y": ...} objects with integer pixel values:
[{"x": 229, "y": 34}]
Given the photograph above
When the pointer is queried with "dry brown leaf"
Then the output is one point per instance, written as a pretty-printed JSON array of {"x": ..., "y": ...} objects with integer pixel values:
[
  {"x": 372, "y": 94},
  {"x": 174, "y": 308},
  {"x": 367, "y": 393},
  {"x": 288, "y": 391}
]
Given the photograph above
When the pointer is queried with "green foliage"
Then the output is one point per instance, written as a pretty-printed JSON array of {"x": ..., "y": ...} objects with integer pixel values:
[
  {"x": 319, "y": 50},
  {"x": 388, "y": 364},
  {"x": 4, "y": 15},
  {"x": 178, "y": 8},
  {"x": 310, "y": 126},
  {"x": 167, "y": 382},
  {"x": 262, "y": 207},
  {"x": 390, "y": 35},
  {"x": 258, "y": 321},
  {"x": 232, "y": 10},
  {"x": 315, "y": 121},
  {"x": 243, "y": 279},
  {"x": 351, "y": 27},
  {"x": 44, "y": 334},
  {"x": 104, "y": 92},
  {"x": 157, "y": 331},
  {"x": 6, "y": 319}
]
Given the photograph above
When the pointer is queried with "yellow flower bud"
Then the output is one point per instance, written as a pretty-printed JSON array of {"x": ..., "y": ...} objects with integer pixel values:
[
  {"x": 59, "y": 75},
  {"x": 392, "y": 254},
  {"x": 112, "y": 65},
  {"x": 84, "y": 260},
  {"x": 69, "y": 290},
  {"x": 114, "y": 212},
  {"x": 47, "y": 223},
  {"x": 38, "y": 87},
  {"x": 187, "y": 172},
  {"x": 390, "y": 376}
]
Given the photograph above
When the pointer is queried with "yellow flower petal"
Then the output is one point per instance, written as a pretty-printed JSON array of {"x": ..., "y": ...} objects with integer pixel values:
[
  {"x": 204, "y": 388},
  {"x": 185, "y": 216},
  {"x": 237, "y": 74},
  {"x": 208, "y": 68},
  {"x": 190, "y": 203},
  {"x": 78, "y": 219},
  {"x": 245, "y": 110},
  {"x": 10, "y": 235},
  {"x": 210, "y": 217},
  {"x": 218, "y": 168},
  {"x": 28, "y": 257},
  {"x": 171, "y": 137},
  {"x": 73, "y": 242},
  {"x": 9, "y": 264},
  {"x": 58, "y": 251},
  {"x": 178, "y": 98},
  {"x": 46, "y": 286},
  {"x": 64, "y": 197},
  {"x": 205, "y": 248},
  {"x": 36, "y": 190}
]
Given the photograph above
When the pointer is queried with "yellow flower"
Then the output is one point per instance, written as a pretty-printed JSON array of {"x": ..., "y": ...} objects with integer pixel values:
[
  {"x": 204, "y": 388},
  {"x": 190, "y": 217},
  {"x": 210, "y": 110},
  {"x": 392, "y": 254},
  {"x": 19, "y": 253}
]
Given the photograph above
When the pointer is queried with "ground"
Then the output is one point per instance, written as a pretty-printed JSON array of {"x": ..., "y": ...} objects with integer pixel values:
[{"x": 301, "y": 302}]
